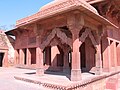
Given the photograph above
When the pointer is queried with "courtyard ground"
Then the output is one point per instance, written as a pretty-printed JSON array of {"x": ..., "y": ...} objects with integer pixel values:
[{"x": 8, "y": 82}]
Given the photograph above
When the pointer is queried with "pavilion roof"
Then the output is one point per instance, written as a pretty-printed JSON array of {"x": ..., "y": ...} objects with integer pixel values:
[{"x": 61, "y": 6}]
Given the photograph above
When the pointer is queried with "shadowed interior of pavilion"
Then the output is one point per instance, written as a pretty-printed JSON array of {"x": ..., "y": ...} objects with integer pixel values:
[{"x": 57, "y": 55}]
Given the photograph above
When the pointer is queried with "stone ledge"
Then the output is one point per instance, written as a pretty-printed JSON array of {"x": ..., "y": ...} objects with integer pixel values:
[
  {"x": 72, "y": 85},
  {"x": 47, "y": 85}
]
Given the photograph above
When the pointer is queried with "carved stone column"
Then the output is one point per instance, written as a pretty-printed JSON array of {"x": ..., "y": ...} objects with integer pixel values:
[
  {"x": 98, "y": 60},
  {"x": 75, "y": 23},
  {"x": 115, "y": 54},
  {"x": 28, "y": 57},
  {"x": 21, "y": 57},
  {"x": 39, "y": 51},
  {"x": 16, "y": 58},
  {"x": 106, "y": 54},
  {"x": 76, "y": 70},
  {"x": 98, "y": 51},
  {"x": 39, "y": 61}
]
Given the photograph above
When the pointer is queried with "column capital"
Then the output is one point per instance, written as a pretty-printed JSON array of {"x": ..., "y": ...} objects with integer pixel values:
[
  {"x": 75, "y": 22},
  {"x": 100, "y": 31}
]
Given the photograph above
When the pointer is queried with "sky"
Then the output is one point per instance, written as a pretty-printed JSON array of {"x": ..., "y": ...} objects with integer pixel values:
[{"x": 13, "y": 10}]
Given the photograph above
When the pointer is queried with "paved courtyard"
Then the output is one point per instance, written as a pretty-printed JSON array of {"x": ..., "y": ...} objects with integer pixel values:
[{"x": 7, "y": 81}]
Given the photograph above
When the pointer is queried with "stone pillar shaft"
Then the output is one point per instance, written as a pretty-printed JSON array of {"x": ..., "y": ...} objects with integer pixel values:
[
  {"x": 39, "y": 61},
  {"x": 16, "y": 58},
  {"x": 98, "y": 60},
  {"x": 54, "y": 52},
  {"x": 21, "y": 57},
  {"x": 28, "y": 57},
  {"x": 76, "y": 70},
  {"x": 115, "y": 55},
  {"x": 106, "y": 54}
]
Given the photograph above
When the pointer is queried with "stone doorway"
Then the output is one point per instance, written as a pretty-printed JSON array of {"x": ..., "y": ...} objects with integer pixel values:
[{"x": 1, "y": 59}]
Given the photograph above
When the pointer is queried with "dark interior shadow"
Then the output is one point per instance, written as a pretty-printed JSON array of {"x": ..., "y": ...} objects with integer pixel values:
[
  {"x": 58, "y": 73},
  {"x": 56, "y": 66}
]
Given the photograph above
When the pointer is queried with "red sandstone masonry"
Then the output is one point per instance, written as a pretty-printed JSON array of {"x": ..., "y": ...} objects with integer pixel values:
[{"x": 77, "y": 85}]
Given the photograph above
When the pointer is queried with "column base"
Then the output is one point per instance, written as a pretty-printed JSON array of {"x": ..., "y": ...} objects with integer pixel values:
[
  {"x": 98, "y": 71},
  {"x": 76, "y": 75},
  {"x": 40, "y": 71}
]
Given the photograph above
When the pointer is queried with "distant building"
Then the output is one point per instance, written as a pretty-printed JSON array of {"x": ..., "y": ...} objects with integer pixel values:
[
  {"x": 72, "y": 36},
  {"x": 6, "y": 50}
]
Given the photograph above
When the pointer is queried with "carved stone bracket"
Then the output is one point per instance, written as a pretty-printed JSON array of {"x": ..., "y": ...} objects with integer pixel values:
[
  {"x": 86, "y": 34},
  {"x": 61, "y": 35}
]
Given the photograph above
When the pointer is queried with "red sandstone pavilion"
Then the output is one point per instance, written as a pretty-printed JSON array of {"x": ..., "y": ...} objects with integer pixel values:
[{"x": 72, "y": 37}]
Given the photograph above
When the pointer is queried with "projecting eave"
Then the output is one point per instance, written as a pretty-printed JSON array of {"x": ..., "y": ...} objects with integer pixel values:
[
  {"x": 98, "y": 18},
  {"x": 56, "y": 8},
  {"x": 10, "y": 32},
  {"x": 94, "y": 1}
]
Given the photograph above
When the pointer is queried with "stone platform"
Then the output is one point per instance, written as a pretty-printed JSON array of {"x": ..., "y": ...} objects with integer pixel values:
[{"x": 60, "y": 81}]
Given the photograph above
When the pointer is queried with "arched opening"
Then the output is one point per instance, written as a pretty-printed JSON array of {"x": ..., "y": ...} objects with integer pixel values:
[
  {"x": 87, "y": 54},
  {"x": 56, "y": 47}
]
